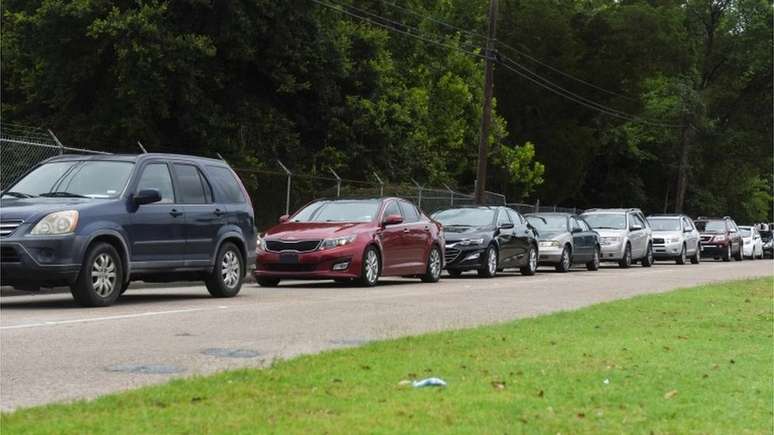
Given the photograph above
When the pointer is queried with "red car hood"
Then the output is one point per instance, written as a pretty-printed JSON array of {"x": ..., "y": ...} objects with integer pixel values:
[{"x": 312, "y": 230}]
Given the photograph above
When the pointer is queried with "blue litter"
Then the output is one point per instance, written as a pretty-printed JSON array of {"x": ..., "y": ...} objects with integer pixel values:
[{"x": 429, "y": 382}]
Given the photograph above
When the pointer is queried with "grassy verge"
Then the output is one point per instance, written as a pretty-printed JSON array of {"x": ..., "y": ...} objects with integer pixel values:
[{"x": 695, "y": 360}]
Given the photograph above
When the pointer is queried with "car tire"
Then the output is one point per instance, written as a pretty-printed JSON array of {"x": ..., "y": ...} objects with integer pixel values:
[
  {"x": 101, "y": 277},
  {"x": 740, "y": 253},
  {"x": 594, "y": 263},
  {"x": 454, "y": 273},
  {"x": 226, "y": 277},
  {"x": 124, "y": 287},
  {"x": 490, "y": 263},
  {"x": 531, "y": 267},
  {"x": 696, "y": 259},
  {"x": 727, "y": 256},
  {"x": 647, "y": 261},
  {"x": 267, "y": 282},
  {"x": 370, "y": 268},
  {"x": 682, "y": 258},
  {"x": 434, "y": 266},
  {"x": 626, "y": 261},
  {"x": 565, "y": 260}
]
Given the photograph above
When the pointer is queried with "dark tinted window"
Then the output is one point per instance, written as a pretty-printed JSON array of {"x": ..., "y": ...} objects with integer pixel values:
[
  {"x": 190, "y": 185},
  {"x": 410, "y": 213},
  {"x": 156, "y": 176},
  {"x": 229, "y": 186},
  {"x": 391, "y": 209}
]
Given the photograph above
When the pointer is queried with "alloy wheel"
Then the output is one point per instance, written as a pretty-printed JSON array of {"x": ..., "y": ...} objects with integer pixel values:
[
  {"x": 532, "y": 260},
  {"x": 566, "y": 259},
  {"x": 492, "y": 261},
  {"x": 371, "y": 266},
  {"x": 435, "y": 263},
  {"x": 229, "y": 269},
  {"x": 103, "y": 275}
]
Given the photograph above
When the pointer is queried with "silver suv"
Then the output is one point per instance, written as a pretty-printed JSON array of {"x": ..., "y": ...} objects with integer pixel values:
[
  {"x": 675, "y": 237},
  {"x": 624, "y": 235}
]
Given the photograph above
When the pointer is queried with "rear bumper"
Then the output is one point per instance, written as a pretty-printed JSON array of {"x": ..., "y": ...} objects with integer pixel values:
[
  {"x": 310, "y": 265},
  {"x": 28, "y": 264}
]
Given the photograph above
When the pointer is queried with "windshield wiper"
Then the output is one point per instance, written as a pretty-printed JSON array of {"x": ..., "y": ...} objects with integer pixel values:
[
  {"x": 18, "y": 194},
  {"x": 61, "y": 194}
]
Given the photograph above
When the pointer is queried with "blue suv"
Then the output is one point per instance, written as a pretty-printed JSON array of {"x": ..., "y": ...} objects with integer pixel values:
[{"x": 95, "y": 223}]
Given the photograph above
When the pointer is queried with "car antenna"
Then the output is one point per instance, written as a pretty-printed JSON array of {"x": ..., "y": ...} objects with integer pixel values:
[
  {"x": 221, "y": 157},
  {"x": 144, "y": 151}
]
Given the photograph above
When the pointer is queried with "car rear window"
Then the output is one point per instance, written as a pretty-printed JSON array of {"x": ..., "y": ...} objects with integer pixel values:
[{"x": 231, "y": 192}]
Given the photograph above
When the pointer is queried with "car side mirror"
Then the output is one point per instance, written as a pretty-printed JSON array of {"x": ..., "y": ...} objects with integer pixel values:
[
  {"x": 635, "y": 228},
  {"x": 732, "y": 231},
  {"x": 147, "y": 196},
  {"x": 577, "y": 230},
  {"x": 687, "y": 230},
  {"x": 506, "y": 226},
  {"x": 284, "y": 218},
  {"x": 393, "y": 219}
]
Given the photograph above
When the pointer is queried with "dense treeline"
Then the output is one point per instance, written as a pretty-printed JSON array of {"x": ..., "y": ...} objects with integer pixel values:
[{"x": 263, "y": 79}]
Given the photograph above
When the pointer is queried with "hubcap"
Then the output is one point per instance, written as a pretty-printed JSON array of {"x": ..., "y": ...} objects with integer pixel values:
[
  {"x": 435, "y": 263},
  {"x": 492, "y": 261},
  {"x": 229, "y": 269},
  {"x": 565, "y": 259},
  {"x": 103, "y": 275},
  {"x": 532, "y": 259},
  {"x": 371, "y": 266}
]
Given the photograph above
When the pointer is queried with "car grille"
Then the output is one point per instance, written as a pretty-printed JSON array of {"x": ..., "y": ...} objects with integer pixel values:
[
  {"x": 451, "y": 254},
  {"x": 706, "y": 238},
  {"x": 295, "y": 246},
  {"x": 9, "y": 255},
  {"x": 658, "y": 241},
  {"x": 279, "y": 267},
  {"x": 8, "y": 227}
]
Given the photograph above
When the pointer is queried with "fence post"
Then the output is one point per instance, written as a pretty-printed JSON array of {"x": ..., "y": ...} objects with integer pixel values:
[
  {"x": 338, "y": 182},
  {"x": 287, "y": 195},
  {"x": 56, "y": 139},
  {"x": 381, "y": 184},
  {"x": 451, "y": 195},
  {"x": 419, "y": 193}
]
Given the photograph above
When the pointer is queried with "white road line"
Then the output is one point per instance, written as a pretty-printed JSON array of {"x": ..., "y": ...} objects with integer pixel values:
[{"x": 106, "y": 318}]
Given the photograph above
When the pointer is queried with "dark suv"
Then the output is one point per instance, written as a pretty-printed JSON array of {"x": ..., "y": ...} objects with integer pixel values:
[
  {"x": 720, "y": 238},
  {"x": 95, "y": 223}
]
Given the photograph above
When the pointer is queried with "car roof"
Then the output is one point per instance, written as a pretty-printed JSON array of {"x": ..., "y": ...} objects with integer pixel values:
[
  {"x": 550, "y": 213},
  {"x": 136, "y": 158},
  {"x": 665, "y": 216},
  {"x": 612, "y": 210}
]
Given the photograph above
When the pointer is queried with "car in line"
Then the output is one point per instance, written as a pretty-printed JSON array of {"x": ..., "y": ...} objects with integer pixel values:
[
  {"x": 95, "y": 223},
  {"x": 624, "y": 235},
  {"x": 565, "y": 240},
  {"x": 487, "y": 240},
  {"x": 752, "y": 243},
  {"x": 675, "y": 237},
  {"x": 720, "y": 238},
  {"x": 768, "y": 241},
  {"x": 351, "y": 240}
]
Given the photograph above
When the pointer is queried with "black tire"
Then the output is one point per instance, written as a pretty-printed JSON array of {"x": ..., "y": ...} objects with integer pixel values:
[
  {"x": 594, "y": 263},
  {"x": 267, "y": 282},
  {"x": 626, "y": 261},
  {"x": 565, "y": 261},
  {"x": 530, "y": 268},
  {"x": 647, "y": 261},
  {"x": 454, "y": 273},
  {"x": 101, "y": 278},
  {"x": 434, "y": 266},
  {"x": 727, "y": 256},
  {"x": 226, "y": 277},
  {"x": 124, "y": 287},
  {"x": 370, "y": 267},
  {"x": 696, "y": 259},
  {"x": 682, "y": 258},
  {"x": 740, "y": 253},
  {"x": 491, "y": 259}
]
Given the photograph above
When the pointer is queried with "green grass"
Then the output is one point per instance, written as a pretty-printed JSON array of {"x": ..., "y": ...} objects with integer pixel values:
[{"x": 698, "y": 360}]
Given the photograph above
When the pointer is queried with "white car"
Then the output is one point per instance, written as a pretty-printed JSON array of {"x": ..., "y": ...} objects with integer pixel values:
[
  {"x": 753, "y": 244},
  {"x": 675, "y": 237}
]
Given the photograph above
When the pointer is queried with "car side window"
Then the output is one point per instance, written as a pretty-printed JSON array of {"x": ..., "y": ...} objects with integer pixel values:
[
  {"x": 574, "y": 225},
  {"x": 191, "y": 185},
  {"x": 502, "y": 218},
  {"x": 635, "y": 220},
  {"x": 687, "y": 225},
  {"x": 584, "y": 226},
  {"x": 391, "y": 209},
  {"x": 410, "y": 213},
  {"x": 517, "y": 218},
  {"x": 229, "y": 187},
  {"x": 156, "y": 176}
]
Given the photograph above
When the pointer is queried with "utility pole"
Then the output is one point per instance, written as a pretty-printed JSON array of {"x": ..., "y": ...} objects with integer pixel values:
[{"x": 486, "y": 116}]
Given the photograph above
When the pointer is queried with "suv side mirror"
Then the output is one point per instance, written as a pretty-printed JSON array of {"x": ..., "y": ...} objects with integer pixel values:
[
  {"x": 506, "y": 226},
  {"x": 635, "y": 227},
  {"x": 284, "y": 218},
  {"x": 687, "y": 230},
  {"x": 577, "y": 230},
  {"x": 147, "y": 196},
  {"x": 393, "y": 219}
]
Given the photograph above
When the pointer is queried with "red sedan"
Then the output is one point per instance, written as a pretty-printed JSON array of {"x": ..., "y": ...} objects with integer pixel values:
[{"x": 351, "y": 240}]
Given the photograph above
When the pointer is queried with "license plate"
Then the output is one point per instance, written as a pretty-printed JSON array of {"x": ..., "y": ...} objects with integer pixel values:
[{"x": 288, "y": 258}]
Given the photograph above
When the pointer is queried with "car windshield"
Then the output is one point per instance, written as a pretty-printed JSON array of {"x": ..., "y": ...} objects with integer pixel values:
[
  {"x": 75, "y": 178},
  {"x": 338, "y": 211},
  {"x": 711, "y": 226},
  {"x": 665, "y": 224},
  {"x": 606, "y": 221},
  {"x": 766, "y": 235},
  {"x": 746, "y": 232},
  {"x": 468, "y": 217},
  {"x": 548, "y": 223}
]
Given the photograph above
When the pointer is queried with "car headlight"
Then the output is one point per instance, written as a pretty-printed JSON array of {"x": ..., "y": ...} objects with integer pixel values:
[
  {"x": 720, "y": 238},
  {"x": 673, "y": 240},
  {"x": 58, "y": 223},
  {"x": 259, "y": 244},
  {"x": 338, "y": 241},
  {"x": 470, "y": 242},
  {"x": 549, "y": 244},
  {"x": 609, "y": 240}
]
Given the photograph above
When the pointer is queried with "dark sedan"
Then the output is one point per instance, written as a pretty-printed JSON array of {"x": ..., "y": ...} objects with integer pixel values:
[{"x": 487, "y": 239}]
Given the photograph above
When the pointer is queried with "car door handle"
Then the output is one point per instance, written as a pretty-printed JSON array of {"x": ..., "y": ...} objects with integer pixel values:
[
  {"x": 218, "y": 212},
  {"x": 405, "y": 230},
  {"x": 175, "y": 213}
]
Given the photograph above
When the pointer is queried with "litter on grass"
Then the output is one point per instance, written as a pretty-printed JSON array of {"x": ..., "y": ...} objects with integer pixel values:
[{"x": 429, "y": 382}]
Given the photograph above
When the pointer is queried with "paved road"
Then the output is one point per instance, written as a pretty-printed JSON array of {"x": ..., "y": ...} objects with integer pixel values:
[{"x": 53, "y": 350}]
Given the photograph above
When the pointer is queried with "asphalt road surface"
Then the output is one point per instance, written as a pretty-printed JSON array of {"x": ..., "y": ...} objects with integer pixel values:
[{"x": 52, "y": 350}]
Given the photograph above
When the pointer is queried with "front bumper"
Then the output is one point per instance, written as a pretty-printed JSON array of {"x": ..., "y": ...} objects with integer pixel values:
[
  {"x": 550, "y": 255},
  {"x": 667, "y": 251},
  {"x": 28, "y": 263},
  {"x": 613, "y": 252},
  {"x": 714, "y": 250},
  {"x": 310, "y": 265},
  {"x": 464, "y": 257}
]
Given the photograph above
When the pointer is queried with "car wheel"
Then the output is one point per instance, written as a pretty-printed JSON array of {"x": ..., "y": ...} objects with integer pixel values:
[
  {"x": 101, "y": 277},
  {"x": 696, "y": 259},
  {"x": 626, "y": 261},
  {"x": 434, "y": 266},
  {"x": 727, "y": 255},
  {"x": 267, "y": 282},
  {"x": 648, "y": 260},
  {"x": 490, "y": 263},
  {"x": 454, "y": 273},
  {"x": 369, "y": 273},
  {"x": 594, "y": 263},
  {"x": 740, "y": 254},
  {"x": 682, "y": 258},
  {"x": 124, "y": 287},
  {"x": 225, "y": 280},
  {"x": 564, "y": 261},
  {"x": 531, "y": 266}
]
